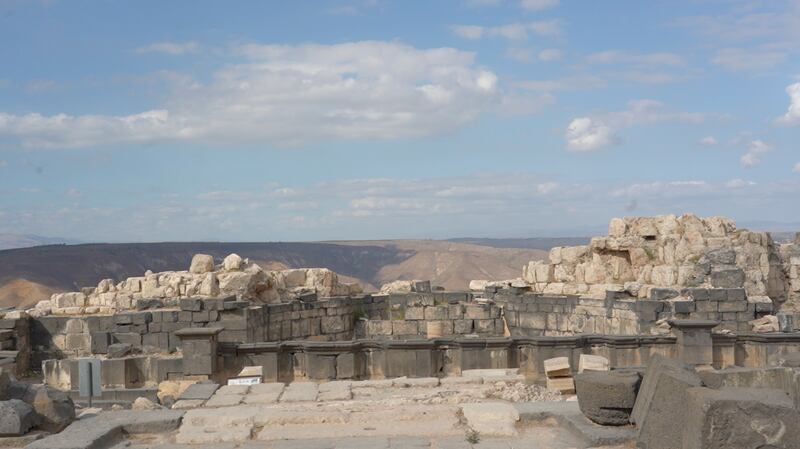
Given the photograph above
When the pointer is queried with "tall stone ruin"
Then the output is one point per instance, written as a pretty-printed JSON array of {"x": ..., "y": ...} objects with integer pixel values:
[{"x": 640, "y": 254}]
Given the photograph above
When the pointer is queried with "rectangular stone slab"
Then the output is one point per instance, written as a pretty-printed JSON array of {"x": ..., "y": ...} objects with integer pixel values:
[{"x": 739, "y": 418}]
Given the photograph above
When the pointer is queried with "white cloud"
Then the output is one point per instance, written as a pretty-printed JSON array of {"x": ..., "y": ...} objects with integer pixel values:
[
  {"x": 649, "y": 59},
  {"x": 39, "y": 86},
  {"x": 593, "y": 133},
  {"x": 792, "y": 116},
  {"x": 755, "y": 150},
  {"x": 752, "y": 35},
  {"x": 286, "y": 95},
  {"x": 550, "y": 54},
  {"x": 587, "y": 134},
  {"x": 738, "y": 184},
  {"x": 3, "y": 163},
  {"x": 511, "y": 31},
  {"x": 527, "y": 55},
  {"x": 567, "y": 83},
  {"x": 539, "y": 5},
  {"x": 749, "y": 59},
  {"x": 662, "y": 189},
  {"x": 796, "y": 168},
  {"x": 170, "y": 48},
  {"x": 708, "y": 141}
]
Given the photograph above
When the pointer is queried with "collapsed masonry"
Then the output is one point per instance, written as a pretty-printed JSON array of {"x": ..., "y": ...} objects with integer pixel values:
[
  {"x": 233, "y": 277},
  {"x": 643, "y": 254}
]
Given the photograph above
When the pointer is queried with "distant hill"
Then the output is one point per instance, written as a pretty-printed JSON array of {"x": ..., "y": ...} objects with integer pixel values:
[
  {"x": 11, "y": 241},
  {"x": 543, "y": 243},
  {"x": 28, "y": 275}
]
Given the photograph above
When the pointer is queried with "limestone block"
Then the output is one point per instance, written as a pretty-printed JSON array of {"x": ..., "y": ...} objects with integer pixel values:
[
  {"x": 563, "y": 273},
  {"x": 478, "y": 285},
  {"x": 201, "y": 263},
  {"x": 294, "y": 278},
  {"x": 554, "y": 288},
  {"x": 379, "y": 327},
  {"x": 210, "y": 285},
  {"x": 571, "y": 255},
  {"x": 588, "y": 362},
  {"x": 557, "y": 367},
  {"x": 767, "y": 323},
  {"x": 664, "y": 275},
  {"x": 564, "y": 385},
  {"x": 400, "y": 327},
  {"x": 617, "y": 227},
  {"x": 232, "y": 262},
  {"x": 555, "y": 255}
]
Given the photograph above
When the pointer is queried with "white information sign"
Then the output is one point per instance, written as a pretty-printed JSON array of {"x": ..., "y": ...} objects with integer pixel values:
[{"x": 245, "y": 380}]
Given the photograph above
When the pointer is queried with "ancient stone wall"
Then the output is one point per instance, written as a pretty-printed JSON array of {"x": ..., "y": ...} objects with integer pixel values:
[
  {"x": 233, "y": 277},
  {"x": 434, "y": 315},
  {"x": 292, "y": 361},
  {"x": 536, "y": 314},
  {"x": 643, "y": 253}
]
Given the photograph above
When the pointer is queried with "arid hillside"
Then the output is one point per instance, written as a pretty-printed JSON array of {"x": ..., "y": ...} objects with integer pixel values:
[
  {"x": 452, "y": 265},
  {"x": 28, "y": 275}
]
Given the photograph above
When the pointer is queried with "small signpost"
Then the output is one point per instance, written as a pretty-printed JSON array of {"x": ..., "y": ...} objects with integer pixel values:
[{"x": 89, "y": 379}]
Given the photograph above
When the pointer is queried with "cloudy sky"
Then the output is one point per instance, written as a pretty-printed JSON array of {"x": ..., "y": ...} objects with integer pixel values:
[{"x": 361, "y": 119}]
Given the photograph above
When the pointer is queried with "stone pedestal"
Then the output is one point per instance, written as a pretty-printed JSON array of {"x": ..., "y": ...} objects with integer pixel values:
[
  {"x": 695, "y": 346},
  {"x": 199, "y": 350}
]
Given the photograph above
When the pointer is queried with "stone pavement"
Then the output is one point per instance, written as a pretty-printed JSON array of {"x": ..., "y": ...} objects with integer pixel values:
[{"x": 485, "y": 409}]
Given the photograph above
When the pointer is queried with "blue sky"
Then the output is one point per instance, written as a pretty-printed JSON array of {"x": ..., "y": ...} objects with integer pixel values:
[{"x": 364, "y": 119}]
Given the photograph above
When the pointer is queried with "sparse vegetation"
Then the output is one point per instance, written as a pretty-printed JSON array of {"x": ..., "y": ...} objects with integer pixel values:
[{"x": 473, "y": 437}]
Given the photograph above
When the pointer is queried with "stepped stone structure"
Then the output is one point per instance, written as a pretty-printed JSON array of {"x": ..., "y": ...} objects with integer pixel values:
[
  {"x": 233, "y": 277},
  {"x": 643, "y": 254}
]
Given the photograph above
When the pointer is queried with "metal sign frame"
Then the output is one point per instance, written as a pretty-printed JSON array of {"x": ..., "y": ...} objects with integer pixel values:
[{"x": 89, "y": 379}]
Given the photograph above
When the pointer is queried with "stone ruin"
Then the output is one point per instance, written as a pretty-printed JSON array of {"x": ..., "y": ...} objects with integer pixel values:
[
  {"x": 640, "y": 254},
  {"x": 667, "y": 321},
  {"x": 235, "y": 277}
]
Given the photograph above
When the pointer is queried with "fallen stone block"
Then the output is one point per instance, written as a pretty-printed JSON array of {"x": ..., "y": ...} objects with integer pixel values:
[
  {"x": 588, "y": 362},
  {"x": 557, "y": 367},
  {"x": 16, "y": 417},
  {"x": 659, "y": 409},
  {"x": 739, "y": 418},
  {"x": 202, "y": 391},
  {"x": 564, "y": 385},
  {"x": 607, "y": 398},
  {"x": 54, "y": 407}
]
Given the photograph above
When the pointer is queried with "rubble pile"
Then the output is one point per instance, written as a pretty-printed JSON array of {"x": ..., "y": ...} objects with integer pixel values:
[
  {"x": 640, "y": 254},
  {"x": 233, "y": 277}
]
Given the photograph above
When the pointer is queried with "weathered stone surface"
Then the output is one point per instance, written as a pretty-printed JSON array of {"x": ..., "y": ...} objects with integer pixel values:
[
  {"x": 16, "y": 417},
  {"x": 739, "y": 418},
  {"x": 658, "y": 410},
  {"x": 118, "y": 350},
  {"x": 727, "y": 278},
  {"x": 202, "y": 263},
  {"x": 491, "y": 418},
  {"x": 233, "y": 262},
  {"x": 54, "y": 407},
  {"x": 142, "y": 403},
  {"x": 557, "y": 367},
  {"x": 607, "y": 398}
]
